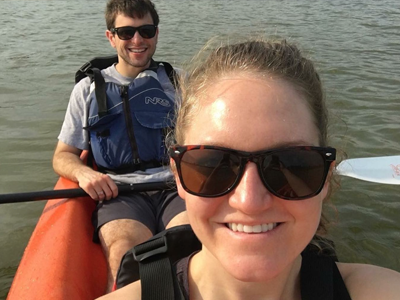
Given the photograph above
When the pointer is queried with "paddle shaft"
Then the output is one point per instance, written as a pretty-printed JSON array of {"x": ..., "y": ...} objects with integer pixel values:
[
  {"x": 74, "y": 193},
  {"x": 384, "y": 169}
]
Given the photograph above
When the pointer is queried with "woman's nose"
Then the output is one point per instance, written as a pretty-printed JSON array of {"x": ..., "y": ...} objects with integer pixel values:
[{"x": 251, "y": 196}]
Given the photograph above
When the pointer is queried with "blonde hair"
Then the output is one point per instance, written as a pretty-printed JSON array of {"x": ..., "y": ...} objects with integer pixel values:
[{"x": 258, "y": 57}]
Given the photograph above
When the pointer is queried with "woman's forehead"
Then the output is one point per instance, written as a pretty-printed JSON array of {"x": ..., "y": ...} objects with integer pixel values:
[{"x": 254, "y": 110}]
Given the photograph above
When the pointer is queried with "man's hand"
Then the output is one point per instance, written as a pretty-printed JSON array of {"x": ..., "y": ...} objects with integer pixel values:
[
  {"x": 99, "y": 186},
  {"x": 67, "y": 163}
]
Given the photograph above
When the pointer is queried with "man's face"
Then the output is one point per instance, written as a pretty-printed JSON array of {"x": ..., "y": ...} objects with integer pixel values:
[{"x": 134, "y": 54}]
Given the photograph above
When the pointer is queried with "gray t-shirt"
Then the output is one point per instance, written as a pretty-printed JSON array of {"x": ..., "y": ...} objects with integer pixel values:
[{"x": 73, "y": 132}]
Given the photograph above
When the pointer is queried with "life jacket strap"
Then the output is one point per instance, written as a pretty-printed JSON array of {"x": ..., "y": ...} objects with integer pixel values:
[
  {"x": 97, "y": 62},
  {"x": 152, "y": 263},
  {"x": 100, "y": 90}
]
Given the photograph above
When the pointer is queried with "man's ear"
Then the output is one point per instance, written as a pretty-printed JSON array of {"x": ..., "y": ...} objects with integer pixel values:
[
  {"x": 111, "y": 38},
  {"x": 156, "y": 37},
  {"x": 181, "y": 191}
]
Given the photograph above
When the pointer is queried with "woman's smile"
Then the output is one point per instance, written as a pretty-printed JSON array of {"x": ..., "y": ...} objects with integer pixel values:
[{"x": 260, "y": 228}]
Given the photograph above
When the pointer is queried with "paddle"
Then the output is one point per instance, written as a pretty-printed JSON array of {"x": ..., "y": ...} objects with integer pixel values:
[
  {"x": 382, "y": 169},
  {"x": 74, "y": 193}
]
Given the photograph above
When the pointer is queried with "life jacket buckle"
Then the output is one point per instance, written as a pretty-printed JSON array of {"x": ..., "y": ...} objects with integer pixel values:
[
  {"x": 150, "y": 249},
  {"x": 85, "y": 67}
]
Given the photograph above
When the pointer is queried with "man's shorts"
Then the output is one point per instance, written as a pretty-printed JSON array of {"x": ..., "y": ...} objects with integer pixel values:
[{"x": 153, "y": 209}]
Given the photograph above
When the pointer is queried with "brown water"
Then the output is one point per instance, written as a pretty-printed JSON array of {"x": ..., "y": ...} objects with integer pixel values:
[{"x": 356, "y": 46}]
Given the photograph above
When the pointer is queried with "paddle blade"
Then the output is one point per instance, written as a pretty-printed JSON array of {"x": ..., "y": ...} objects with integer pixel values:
[{"x": 383, "y": 169}]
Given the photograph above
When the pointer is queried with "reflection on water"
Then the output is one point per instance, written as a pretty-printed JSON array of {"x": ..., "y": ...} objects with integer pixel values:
[{"x": 356, "y": 46}]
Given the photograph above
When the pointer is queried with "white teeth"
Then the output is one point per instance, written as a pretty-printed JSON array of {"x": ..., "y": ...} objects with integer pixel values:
[
  {"x": 137, "y": 50},
  {"x": 251, "y": 229},
  {"x": 247, "y": 228}
]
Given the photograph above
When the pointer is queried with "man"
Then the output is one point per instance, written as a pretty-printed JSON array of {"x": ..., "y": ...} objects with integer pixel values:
[{"x": 127, "y": 139}]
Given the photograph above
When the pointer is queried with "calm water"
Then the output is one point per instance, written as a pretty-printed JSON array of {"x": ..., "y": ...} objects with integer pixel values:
[{"x": 356, "y": 46}]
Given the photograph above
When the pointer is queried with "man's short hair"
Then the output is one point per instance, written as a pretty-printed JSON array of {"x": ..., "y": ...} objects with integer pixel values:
[{"x": 130, "y": 8}]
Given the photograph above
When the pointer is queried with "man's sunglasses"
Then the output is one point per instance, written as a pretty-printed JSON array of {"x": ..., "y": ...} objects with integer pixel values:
[
  {"x": 293, "y": 173},
  {"x": 128, "y": 32}
]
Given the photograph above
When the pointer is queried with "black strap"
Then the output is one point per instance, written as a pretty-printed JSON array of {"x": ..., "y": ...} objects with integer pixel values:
[
  {"x": 152, "y": 262},
  {"x": 100, "y": 90},
  {"x": 104, "y": 62},
  {"x": 129, "y": 126},
  {"x": 155, "y": 267},
  {"x": 316, "y": 278},
  {"x": 320, "y": 279},
  {"x": 92, "y": 69},
  {"x": 173, "y": 77},
  {"x": 97, "y": 62},
  {"x": 340, "y": 291}
]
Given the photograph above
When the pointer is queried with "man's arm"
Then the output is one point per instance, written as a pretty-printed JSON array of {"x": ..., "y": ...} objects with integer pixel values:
[{"x": 67, "y": 163}]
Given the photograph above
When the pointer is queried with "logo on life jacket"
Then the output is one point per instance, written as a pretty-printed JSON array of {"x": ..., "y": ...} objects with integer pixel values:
[{"x": 156, "y": 101}]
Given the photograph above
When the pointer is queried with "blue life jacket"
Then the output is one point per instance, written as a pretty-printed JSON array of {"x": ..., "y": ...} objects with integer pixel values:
[{"x": 127, "y": 124}]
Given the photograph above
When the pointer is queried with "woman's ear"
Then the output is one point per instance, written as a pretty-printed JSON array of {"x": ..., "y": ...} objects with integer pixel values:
[
  {"x": 328, "y": 179},
  {"x": 181, "y": 191},
  {"x": 173, "y": 167},
  {"x": 332, "y": 169}
]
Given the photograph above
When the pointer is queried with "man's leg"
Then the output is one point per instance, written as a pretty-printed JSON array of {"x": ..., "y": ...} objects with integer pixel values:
[
  {"x": 117, "y": 237},
  {"x": 122, "y": 223},
  {"x": 172, "y": 210},
  {"x": 179, "y": 219}
]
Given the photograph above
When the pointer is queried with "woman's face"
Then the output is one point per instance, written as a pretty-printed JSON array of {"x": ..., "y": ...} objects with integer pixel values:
[{"x": 251, "y": 114}]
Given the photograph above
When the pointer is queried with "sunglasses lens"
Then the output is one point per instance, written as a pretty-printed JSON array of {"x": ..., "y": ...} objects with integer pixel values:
[
  {"x": 126, "y": 33},
  {"x": 147, "y": 31},
  {"x": 294, "y": 174},
  {"x": 209, "y": 172}
]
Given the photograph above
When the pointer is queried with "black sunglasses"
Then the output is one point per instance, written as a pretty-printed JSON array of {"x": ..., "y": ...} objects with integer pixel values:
[
  {"x": 293, "y": 173},
  {"x": 128, "y": 32}
]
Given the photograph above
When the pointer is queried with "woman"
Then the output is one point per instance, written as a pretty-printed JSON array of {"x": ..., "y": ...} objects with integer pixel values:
[{"x": 253, "y": 165}]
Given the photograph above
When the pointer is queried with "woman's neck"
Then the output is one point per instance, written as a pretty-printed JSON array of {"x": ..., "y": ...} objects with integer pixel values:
[{"x": 208, "y": 280}]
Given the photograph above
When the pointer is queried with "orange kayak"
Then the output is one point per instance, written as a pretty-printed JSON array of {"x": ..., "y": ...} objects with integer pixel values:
[{"x": 61, "y": 261}]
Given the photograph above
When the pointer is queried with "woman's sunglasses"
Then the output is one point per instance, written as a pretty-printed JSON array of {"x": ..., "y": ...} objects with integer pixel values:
[
  {"x": 293, "y": 173},
  {"x": 128, "y": 32}
]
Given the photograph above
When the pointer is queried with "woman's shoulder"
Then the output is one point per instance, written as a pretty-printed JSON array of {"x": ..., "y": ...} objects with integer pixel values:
[
  {"x": 131, "y": 292},
  {"x": 370, "y": 282}
]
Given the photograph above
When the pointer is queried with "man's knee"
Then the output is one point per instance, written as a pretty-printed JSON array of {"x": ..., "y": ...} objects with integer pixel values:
[
  {"x": 179, "y": 219},
  {"x": 123, "y": 234}
]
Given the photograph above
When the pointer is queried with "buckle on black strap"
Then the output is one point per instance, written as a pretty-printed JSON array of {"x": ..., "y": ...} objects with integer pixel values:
[
  {"x": 85, "y": 67},
  {"x": 150, "y": 248}
]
